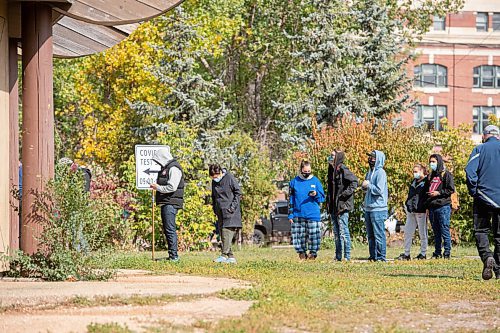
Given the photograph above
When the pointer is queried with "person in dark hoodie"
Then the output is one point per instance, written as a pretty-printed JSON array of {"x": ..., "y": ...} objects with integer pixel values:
[
  {"x": 226, "y": 196},
  {"x": 169, "y": 188},
  {"x": 341, "y": 185},
  {"x": 483, "y": 182},
  {"x": 306, "y": 194},
  {"x": 439, "y": 188},
  {"x": 375, "y": 205},
  {"x": 416, "y": 213}
]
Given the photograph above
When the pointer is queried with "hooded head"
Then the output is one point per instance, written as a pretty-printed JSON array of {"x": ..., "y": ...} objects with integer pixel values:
[
  {"x": 163, "y": 156},
  {"x": 339, "y": 158},
  {"x": 440, "y": 163},
  {"x": 379, "y": 159}
]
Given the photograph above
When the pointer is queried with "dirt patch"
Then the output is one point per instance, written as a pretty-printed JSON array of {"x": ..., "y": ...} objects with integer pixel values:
[
  {"x": 128, "y": 283},
  {"x": 136, "y": 318}
]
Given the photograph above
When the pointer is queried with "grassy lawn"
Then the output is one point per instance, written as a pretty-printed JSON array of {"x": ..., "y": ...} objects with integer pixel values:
[{"x": 326, "y": 296}]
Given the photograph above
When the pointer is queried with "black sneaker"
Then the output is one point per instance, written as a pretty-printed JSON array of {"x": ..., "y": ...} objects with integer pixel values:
[
  {"x": 436, "y": 256},
  {"x": 488, "y": 266},
  {"x": 403, "y": 256},
  {"x": 371, "y": 259},
  {"x": 420, "y": 257},
  {"x": 497, "y": 274},
  {"x": 447, "y": 257}
]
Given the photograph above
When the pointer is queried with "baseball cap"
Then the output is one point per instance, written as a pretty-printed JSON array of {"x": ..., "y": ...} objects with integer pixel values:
[{"x": 491, "y": 129}]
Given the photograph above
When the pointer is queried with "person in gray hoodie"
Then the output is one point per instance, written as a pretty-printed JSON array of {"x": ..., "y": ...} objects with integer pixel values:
[
  {"x": 375, "y": 205},
  {"x": 169, "y": 188}
]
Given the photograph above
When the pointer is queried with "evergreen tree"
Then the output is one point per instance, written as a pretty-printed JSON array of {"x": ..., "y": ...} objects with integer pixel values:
[{"x": 353, "y": 59}]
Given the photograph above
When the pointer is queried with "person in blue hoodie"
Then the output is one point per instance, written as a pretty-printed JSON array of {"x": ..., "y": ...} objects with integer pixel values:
[
  {"x": 483, "y": 182},
  {"x": 306, "y": 195},
  {"x": 375, "y": 205}
]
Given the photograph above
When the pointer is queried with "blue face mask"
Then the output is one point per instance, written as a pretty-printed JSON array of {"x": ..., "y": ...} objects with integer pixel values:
[
  {"x": 218, "y": 179},
  {"x": 433, "y": 166},
  {"x": 416, "y": 175}
]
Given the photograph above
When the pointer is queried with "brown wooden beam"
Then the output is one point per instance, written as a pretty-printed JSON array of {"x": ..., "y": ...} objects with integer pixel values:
[
  {"x": 38, "y": 114},
  {"x": 13, "y": 144}
]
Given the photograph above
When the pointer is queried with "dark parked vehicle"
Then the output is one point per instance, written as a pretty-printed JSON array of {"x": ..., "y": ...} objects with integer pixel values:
[{"x": 276, "y": 228}]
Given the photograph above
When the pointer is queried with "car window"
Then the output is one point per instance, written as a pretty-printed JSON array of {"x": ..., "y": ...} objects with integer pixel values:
[{"x": 282, "y": 210}]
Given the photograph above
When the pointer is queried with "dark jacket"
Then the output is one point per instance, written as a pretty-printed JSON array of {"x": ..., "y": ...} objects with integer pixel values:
[
  {"x": 415, "y": 203},
  {"x": 483, "y": 172},
  {"x": 341, "y": 185},
  {"x": 226, "y": 196},
  {"x": 442, "y": 180},
  {"x": 176, "y": 198},
  {"x": 87, "y": 178}
]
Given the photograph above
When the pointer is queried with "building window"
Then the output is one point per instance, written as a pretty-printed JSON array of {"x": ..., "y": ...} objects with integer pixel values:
[
  {"x": 430, "y": 116},
  {"x": 482, "y": 22},
  {"x": 480, "y": 117},
  {"x": 486, "y": 77},
  {"x": 496, "y": 22},
  {"x": 428, "y": 75},
  {"x": 439, "y": 23}
]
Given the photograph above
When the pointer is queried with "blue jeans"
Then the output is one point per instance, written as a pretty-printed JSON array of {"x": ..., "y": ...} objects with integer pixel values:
[
  {"x": 342, "y": 237},
  {"x": 440, "y": 222},
  {"x": 375, "y": 231},
  {"x": 168, "y": 215}
]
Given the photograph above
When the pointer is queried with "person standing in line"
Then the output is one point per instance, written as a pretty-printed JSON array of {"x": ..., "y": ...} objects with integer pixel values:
[
  {"x": 439, "y": 188},
  {"x": 226, "y": 196},
  {"x": 306, "y": 195},
  {"x": 341, "y": 185},
  {"x": 169, "y": 188},
  {"x": 483, "y": 182},
  {"x": 375, "y": 205},
  {"x": 416, "y": 213}
]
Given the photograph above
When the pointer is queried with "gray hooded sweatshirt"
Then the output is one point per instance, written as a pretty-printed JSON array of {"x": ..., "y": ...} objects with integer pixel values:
[{"x": 162, "y": 157}]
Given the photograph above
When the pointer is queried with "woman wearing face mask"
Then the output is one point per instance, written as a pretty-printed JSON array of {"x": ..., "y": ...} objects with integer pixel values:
[
  {"x": 416, "y": 213},
  {"x": 439, "y": 188},
  {"x": 306, "y": 194},
  {"x": 226, "y": 195}
]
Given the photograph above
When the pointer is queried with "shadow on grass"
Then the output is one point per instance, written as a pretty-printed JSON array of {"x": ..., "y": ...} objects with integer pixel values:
[{"x": 434, "y": 276}]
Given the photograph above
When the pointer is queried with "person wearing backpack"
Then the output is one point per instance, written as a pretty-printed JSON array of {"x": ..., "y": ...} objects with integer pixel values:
[
  {"x": 416, "y": 213},
  {"x": 439, "y": 188},
  {"x": 341, "y": 185},
  {"x": 483, "y": 182}
]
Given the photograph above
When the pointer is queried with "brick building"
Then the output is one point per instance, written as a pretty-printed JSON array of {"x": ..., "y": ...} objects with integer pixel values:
[{"x": 457, "y": 71}]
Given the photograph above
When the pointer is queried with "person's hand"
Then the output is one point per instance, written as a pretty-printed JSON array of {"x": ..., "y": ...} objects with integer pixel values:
[
  {"x": 365, "y": 184},
  {"x": 290, "y": 220},
  {"x": 230, "y": 211},
  {"x": 433, "y": 194},
  {"x": 312, "y": 193},
  {"x": 154, "y": 186}
]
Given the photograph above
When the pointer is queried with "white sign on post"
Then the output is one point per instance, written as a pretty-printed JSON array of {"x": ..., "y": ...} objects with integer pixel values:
[{"x": 146, "y": 170}]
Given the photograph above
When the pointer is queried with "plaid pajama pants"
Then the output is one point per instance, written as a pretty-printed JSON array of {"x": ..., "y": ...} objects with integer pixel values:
[{"x": 306, "y": 235}]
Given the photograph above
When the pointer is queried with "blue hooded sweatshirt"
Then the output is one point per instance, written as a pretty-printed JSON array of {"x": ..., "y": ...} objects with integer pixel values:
[
  {"x": 301, "y": 204},
  {"x": 377, "y": 195}
]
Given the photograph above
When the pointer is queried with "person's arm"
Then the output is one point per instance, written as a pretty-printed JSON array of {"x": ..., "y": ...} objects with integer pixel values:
[
  {"x": 213, "y": 198},
  {"x": 379, "y": 184},
  {"x": 174, "y": 178},
  {"x": 449, "y": 186},
  {"x": 320, "y": 193},
  {"x": 353, "y": 184},
  {"x": 471, "y": 171},
  {"x": 235, "y": 188},
  {"x": 291, "y": 199}
]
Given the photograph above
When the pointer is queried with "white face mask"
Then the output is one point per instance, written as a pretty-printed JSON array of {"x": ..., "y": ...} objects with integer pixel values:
[{"x": 416, "y": 175}]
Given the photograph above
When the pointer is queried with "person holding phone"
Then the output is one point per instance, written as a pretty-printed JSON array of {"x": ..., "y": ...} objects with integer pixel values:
[
  {"x": 439, "y": 188},
  {"x": 306, "y": 195}
]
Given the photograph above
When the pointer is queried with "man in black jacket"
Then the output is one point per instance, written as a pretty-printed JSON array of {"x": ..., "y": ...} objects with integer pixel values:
[
  {"x": 439, "y": 188},
  {"x": 342, "y": 184},
  {"x": 226, "y": 196},
  {"x": 169, "y": 188}
]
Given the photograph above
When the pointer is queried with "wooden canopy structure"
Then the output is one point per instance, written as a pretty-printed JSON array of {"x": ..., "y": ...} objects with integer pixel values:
[{"x": 43, "y": 29}]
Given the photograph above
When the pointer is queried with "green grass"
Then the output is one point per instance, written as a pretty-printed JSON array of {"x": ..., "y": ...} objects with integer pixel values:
[{"x": 325, "y": 296}]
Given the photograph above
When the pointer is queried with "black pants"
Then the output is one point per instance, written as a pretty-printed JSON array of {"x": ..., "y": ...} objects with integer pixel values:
[
  {"x": 486, "y": 220},
  {"x": 168, "y": 215}
]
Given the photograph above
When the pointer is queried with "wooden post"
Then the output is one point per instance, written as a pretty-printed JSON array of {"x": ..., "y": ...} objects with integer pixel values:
[
  {"x": 153, "y": 222},
  {"x": 38, "y": 115}
]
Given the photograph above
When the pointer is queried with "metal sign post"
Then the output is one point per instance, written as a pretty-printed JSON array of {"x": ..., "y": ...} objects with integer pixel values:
[{"x": 146, "y": 171}]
